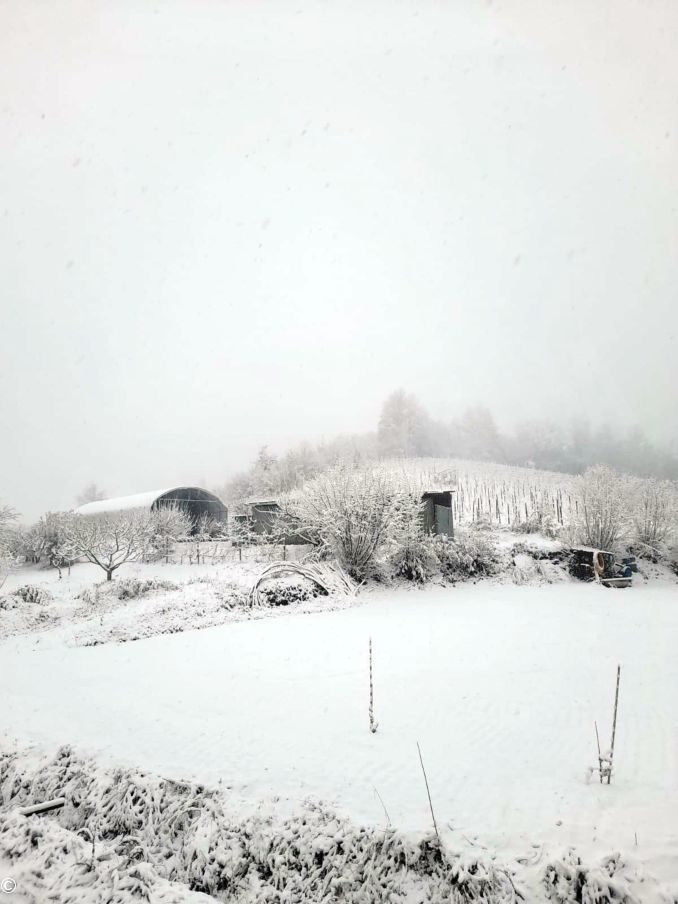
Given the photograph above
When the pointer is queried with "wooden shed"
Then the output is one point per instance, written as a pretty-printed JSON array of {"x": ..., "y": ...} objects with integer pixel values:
[
  {"x": 437, "y": 512},
  {"x": 263, "y": 518}
]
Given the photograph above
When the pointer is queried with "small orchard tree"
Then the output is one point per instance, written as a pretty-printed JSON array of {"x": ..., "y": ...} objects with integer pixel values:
[
  {"x": 166, "y": 526},
  {"x": 111, "y": 539},
  {"x": 204, "y": 529},
  {"x": 46, "y": 539},
  {"x": 25, "y": 543},
  {"x": 55, "y": 540}
]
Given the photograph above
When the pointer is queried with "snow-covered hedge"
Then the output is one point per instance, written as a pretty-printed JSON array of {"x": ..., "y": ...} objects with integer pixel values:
[{"x": 471, "y": 554}]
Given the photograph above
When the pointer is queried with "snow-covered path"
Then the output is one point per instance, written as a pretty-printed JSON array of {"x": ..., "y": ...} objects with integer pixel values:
[{"x": 499, "y": 684}]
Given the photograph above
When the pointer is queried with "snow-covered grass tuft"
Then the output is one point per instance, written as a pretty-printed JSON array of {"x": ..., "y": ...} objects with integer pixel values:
[
  {"x": 132, "y": 588},
  {"x": 30, "y": 593},
  {"x": 25, "y": 609},
  {"x": 570, "y": 881},
  {"x": 124, "y": 832}
]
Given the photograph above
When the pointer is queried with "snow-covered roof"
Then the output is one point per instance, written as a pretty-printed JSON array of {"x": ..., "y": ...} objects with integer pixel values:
[
  {"x": 124, "y": 503},
  {"x": 264, "y": 500}
]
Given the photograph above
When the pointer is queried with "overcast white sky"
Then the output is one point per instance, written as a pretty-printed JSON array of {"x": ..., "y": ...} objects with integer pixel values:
[{"x": 224, "y": 224}]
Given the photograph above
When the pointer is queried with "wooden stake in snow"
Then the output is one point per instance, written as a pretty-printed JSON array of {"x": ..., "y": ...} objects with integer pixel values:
[
  {"x": 430, "y": 802},
  {"x": 600, "y": 759},
  {"x": 614, "y": 725},
  {"x": 388, "y": 818},
  {"x": 45, "y": 807},
  {"x": 373, "y": 724}
]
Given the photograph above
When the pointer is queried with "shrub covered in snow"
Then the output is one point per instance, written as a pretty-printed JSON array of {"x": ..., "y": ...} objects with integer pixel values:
[
  {"x": 412, "y": 553},
  {"x": 540, "y": 520},
  {"x": 30, "y": 593},
  {"x": 604, "y": 508},
  {"x": 570, "y": 881},
  {"x": 351, "y": 513},
  {"x": 286, "y": 592},
  {"x": 655, "y": 518},
  {"x": 470, "y": 554},
  {"x": 132, "y": 588},
  {"x": 18, "y": 616}
]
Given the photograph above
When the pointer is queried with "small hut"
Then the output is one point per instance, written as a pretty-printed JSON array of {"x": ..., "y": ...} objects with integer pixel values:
[
  {"x": 263, "y": 518},
  {"x": 437, "y": 513}
]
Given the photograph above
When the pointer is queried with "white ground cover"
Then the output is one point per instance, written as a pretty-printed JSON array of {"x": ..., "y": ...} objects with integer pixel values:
[
  {"x": 500, "y": 684},
  {"x": 83, "y": 610}
]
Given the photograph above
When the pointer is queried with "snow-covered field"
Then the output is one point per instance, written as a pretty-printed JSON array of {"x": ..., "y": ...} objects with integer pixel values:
[{"x": 499, "y": 684}]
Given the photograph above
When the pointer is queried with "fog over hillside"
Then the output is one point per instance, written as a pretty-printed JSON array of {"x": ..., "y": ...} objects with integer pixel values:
[{"x": 230, "y": 225}]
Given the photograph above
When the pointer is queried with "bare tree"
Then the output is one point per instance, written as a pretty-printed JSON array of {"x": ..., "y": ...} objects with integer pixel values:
[
  {"x": 91, "y": 493},
  {"x": 7, "y": 559},
  {"x": 655, "y": 513},
  {"x": 167, "y": 525},
  {"x": 109, "y": 540}
]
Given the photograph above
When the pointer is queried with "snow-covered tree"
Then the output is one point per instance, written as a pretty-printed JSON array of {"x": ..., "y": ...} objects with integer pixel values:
[
  {"x": 7, "y": 518},
  {"x": 91, "y": 493},
  {"x": 111, "y": 539},
  {"x": 475, "y": 435},
  {"x": 166, "y": 526},
  {"x": 404, "y": 427}
]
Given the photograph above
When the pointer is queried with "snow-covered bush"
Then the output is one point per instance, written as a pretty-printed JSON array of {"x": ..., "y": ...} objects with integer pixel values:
[
  {"x": 25, "y": 543},
  {"x": 655, "y": 516},
  {"x": 351, "y": 513},
  {"x": 570, "y": 881},
  {"x": 605, "y": 499},
  {"x": 470, "y": 554},
  {"x": 166, "y": 526},
  {"x": 29, "y": 593},
  {"x": 413, "y": 553},
  {"x": 46, "y": 540},
  {"x": 285, "y": 592},
  {"x": 19, "y": 617},
  {"x": 132, "y": 588},
  {"x": 540, "y": 520}
]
